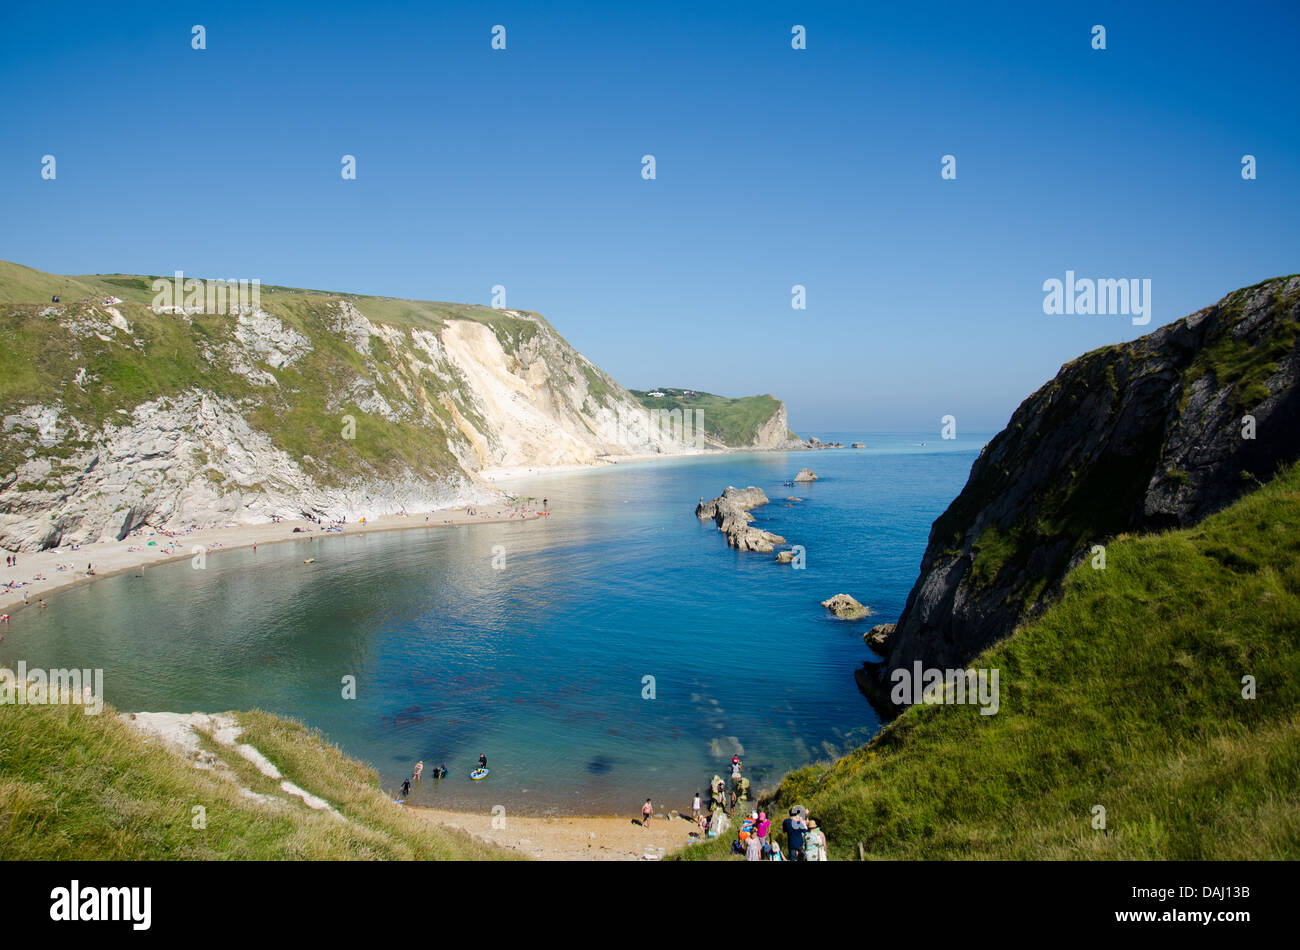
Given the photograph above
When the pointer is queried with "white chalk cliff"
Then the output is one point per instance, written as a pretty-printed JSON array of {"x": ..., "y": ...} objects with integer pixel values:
[{"x": 179, "y": 418}]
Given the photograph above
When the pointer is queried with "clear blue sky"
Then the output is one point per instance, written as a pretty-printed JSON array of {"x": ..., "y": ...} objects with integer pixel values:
[{"x": 775, "y": 167}]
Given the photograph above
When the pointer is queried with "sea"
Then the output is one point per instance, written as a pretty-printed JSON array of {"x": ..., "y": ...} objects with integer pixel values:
[{"x": 614, "y": 651}]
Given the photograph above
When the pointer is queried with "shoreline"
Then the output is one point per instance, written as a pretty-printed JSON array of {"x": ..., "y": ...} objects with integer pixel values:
[
  {"x": 570, "y": 837},
  {"x": 113, "y": 557},
  {"x": 135, "y": 553}
]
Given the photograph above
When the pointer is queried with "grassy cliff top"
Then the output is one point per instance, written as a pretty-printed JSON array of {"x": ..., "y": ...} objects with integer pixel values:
[
  {"x": 90, "y": 788},
  {"x": 1126, "y": 694},
  {"x": 733, "y": 422},
  {"x": 20, "y": 284}
]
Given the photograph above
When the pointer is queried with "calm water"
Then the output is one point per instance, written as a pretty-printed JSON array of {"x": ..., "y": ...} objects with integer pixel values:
[{"x": 540, "y": 664}]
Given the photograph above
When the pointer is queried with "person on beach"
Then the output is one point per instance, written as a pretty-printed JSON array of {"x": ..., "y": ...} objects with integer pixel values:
[
  {"x": 762, "y": 828},
  {"x": 753, "y": 849},
  {"x": 695, "y": 807},
  {"x": 406, "y": 787},
  {"x": 814, "y": 843},
  {"x": 419, "y": 767},
  {"x": 646, "y": 811}
]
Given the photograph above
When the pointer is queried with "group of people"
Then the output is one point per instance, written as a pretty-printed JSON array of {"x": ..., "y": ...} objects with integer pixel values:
[
  {"x": 439, "y": 771},
  {"x": 805, "y": 841}
]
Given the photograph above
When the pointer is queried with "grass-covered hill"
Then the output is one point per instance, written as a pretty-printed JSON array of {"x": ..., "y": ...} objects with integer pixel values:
[
  {"x": 297, "y": 404},
  {"x": 78, "y": 787},
  {"x": 746, "y": 421},
  {"x": 1126, "y": 694}
]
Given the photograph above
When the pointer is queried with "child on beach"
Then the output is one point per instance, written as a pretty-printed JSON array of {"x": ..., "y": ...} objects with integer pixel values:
[{"x": 646, "y": 811}]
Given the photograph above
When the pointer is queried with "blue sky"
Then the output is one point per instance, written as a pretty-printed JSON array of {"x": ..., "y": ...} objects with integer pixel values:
[{"x": 775, "y": 167}]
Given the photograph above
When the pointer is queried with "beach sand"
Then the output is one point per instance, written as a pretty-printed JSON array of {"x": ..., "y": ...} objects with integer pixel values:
[
  {"x": 116, "y": 557},
  {"x": 565, "y": 838}
]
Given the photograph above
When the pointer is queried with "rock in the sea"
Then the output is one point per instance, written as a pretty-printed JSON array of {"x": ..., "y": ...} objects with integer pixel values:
[
  {"x": 792, "y": 498},
  {"x": 859, "y": 445},
  {"x": 806, "y": 475},
  {"x": 878, "y": 637},
  {"x": 846, "y": 607},
  {"x": 730, "y": 511},
  {"x": 784, "y": 557}
]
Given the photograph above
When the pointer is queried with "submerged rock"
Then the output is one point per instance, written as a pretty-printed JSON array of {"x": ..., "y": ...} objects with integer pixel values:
[{"x": 846, "y": 607}]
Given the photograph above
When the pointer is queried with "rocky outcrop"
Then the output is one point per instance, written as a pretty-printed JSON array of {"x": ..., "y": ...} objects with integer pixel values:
[
  {"x": 775, "y": 432},
  {"x": 846, "y": 607},
  {"x": 189, "y": 460},
  {"x": 858, "y": 445},
  {"x": 1141, "y": 436},
  {"x": 730, "y": 511},
  {"x": 878, "y": 637},
  {"x": 806, "y": 475}
]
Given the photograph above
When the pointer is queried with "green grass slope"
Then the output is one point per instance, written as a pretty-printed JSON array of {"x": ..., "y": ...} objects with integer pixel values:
[
  {"x": 1127, "y": 694},
  {"x": 83, "y": 787},
  {"x": 730, "y": 422}
]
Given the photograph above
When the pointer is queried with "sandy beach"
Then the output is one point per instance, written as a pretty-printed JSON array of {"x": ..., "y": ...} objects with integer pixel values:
[
  {"x": 566, "y": 838},
  {"x": 45, "y": 572}
]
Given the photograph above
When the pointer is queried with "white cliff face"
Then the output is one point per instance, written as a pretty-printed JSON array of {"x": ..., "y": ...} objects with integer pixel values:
[
  {"x": 536, "y": 403},
  {"x": 450, "y": 394},
  {"x": 269, "y": 340},
  {"x": 775, "y": 432}
]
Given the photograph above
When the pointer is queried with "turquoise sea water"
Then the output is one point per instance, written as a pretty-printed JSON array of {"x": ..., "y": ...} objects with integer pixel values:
[{"x": 541, "y": 664}]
